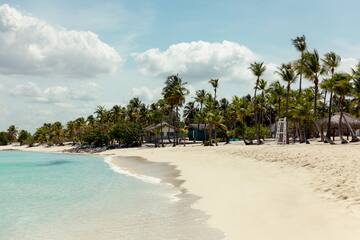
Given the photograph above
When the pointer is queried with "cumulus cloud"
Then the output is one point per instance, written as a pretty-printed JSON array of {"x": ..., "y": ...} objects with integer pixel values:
[
  {"x": 347, "y": 64},
  {"x": 199, "y": 61},
  {"x": 146, "y": 94},
  {"x": 30, "y": 46},
  {"x": 59, "y": 95}
]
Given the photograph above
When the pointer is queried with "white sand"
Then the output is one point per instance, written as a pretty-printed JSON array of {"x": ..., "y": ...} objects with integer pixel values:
[{"x": 295, "y": 192}]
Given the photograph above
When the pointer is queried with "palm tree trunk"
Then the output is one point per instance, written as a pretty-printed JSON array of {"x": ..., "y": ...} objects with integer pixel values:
[
  {"x": 300, "y": 132},
  {"x": 215, "y": 136},
  {"x": 177, "y": 126},
  {"x": 256, "y": 115},
  {"x": 328, "y": 133},
  {"x": 198, "y": 126},
  {"x": 161, "y": 134},
  {"x": 354, "y": 138},
  {"x": 301, "y": 72},
  {"x": 204, "y": 133},
  {"x": 305, "y": 133},
  {"x": 315, "y": 108},
  {"x": 340, "y": 123},
  {"x": 210, "y": 134},
  {"x": 287, "y": 114}
]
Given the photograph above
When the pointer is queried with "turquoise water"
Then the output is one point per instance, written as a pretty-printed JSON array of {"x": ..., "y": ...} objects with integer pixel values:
[{"x": 58, "y": 196}]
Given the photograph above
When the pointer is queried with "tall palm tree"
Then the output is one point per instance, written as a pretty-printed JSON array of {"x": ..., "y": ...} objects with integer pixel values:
[
  {"x": 101, "y": 114},
  {"x": 302, "y": 112},
  {"x": 287, "y": 74},
  {"x": 342, "y": 88},
  {"x": 200, "y": 98},
  {"x": 257, "y": 70},
  {"x": 312, "y": 71},
  {"x": 174, "y": 94},
  {"x": 263, "y": 88},
  {"x": 355, "y": 73},
  {"x": 330, "y": 62},
  {"x": 215, "y": 120},
  {"x": 215, "y": 84},
  {"x": 277, "y": 92},
  {"x": 300, "y": 45},
  {"x": 190, "y": 112},
  {"x": 328, "y": 85}
]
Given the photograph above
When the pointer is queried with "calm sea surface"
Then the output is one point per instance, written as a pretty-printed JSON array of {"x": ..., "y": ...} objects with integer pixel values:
[{"x": 47, "y": 196}]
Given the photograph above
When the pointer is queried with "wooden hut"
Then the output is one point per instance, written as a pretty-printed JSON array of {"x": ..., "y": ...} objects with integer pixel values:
[
  {"x": 350, "y": 124},
  {"x": 161, "y": 131}
]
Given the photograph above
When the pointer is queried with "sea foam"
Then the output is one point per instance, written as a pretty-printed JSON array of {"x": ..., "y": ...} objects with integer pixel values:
[{"x": 120, "y": 170}]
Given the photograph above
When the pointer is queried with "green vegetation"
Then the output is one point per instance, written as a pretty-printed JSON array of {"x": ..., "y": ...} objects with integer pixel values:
[{"x": 248, "y": 118}]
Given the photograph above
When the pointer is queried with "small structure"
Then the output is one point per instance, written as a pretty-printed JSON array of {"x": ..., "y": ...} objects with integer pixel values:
[
  {"x": 197, "y": 131},
  {"x": 161, "y": 131},
  {"x": 281, "y": 131},
  {"x": 350, "y": 124}
]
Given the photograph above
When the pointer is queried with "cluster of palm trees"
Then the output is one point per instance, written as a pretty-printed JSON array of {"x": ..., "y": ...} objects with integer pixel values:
[{"x": 248, "y": 117}]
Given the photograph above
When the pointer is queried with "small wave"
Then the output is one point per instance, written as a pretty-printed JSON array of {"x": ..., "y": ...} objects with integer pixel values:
[{"x": 120, "y": 170}]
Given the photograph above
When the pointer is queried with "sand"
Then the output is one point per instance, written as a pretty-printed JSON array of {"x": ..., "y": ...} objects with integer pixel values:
[{"x": 268, "y": 192}]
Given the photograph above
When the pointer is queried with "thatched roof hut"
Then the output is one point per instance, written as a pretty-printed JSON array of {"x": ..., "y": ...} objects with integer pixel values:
[
  {"x": 353, "y": 121},
  {"x": 163, "y": 126}
]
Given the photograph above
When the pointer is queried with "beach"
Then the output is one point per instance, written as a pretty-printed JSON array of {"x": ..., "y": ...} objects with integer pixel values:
[{"x": 263, "y": 192}]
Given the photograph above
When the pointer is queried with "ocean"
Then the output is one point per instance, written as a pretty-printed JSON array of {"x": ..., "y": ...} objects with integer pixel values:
[{"x": 50, "y": 196}]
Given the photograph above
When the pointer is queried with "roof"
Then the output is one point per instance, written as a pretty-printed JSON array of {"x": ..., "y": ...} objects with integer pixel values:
[
  {"x": 195, "y": 126},
  {"x": 152, "y": 127},
  {"x": 353, "y": 121}
]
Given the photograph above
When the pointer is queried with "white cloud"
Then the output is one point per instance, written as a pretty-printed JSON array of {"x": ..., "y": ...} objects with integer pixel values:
[
  {"x": 59, "y": 95},
  {"x": 146, "y": 94},
  {"x": 347, "y": 64},
  {"x": 30, "y": 46},
  {"x": 199, "y": 61}
]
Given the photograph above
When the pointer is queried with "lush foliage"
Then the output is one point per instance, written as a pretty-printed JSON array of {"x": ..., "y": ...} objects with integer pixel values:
[{"x": 250, "y": 117}]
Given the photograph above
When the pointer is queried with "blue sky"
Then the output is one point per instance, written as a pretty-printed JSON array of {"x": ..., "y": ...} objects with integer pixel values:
[{"x": 131, "y": 28}]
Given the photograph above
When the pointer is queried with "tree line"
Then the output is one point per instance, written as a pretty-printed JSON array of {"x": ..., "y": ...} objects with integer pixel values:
[{"x": 247, "y": 117}]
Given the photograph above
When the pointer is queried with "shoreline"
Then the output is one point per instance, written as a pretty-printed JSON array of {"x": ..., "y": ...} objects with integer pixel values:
[{"x": 259, "y": 191}]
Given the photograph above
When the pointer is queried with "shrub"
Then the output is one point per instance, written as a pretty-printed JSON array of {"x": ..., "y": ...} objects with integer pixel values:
[
  {"x": 4, "y": 140},
  {"x": 23, "y": 137},
  {"x": 250, "y": 133},
  {"x": 128, "y": 134}
]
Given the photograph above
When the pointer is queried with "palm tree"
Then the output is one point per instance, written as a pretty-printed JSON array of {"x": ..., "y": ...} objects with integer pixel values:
[
  {"x": 342, "y": 88},
  {"x": 190, "y": 112},
  {"x": 258, "y": 70},
  {"x": 356, "y": 92},
  {"x": 263, "y": 88},
  {"x": 12, "y": 133},
  {"x": 200, "y": 97},
  {"x": 241, "y": 108},
  {"x": 312, "y": 71},
  {"x": 302, "y": 112},
  {"x": 330, "y": 63},
  {"x": 174, "y": 94},
  {"x": 101, "y": 114},
  {"x": 287, "y": 74},
  {"x": 300, "y": 45},
  {"x": 215, "y": 120},
  {"x": 215, "y": 84},
  {"x": 328, "y": 85},
  {"x": 277, "y": 91}
]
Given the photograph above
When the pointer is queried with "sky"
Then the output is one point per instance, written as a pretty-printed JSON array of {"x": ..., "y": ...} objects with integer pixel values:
[{"x": 61, "y": 59}]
